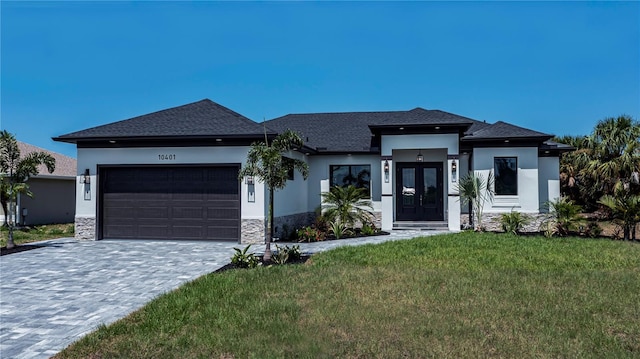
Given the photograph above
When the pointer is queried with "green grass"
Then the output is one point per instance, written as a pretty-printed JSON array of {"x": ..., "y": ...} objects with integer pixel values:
[
  {"x": 466, "y": 295},
  {"x": 36, "y": 233}
]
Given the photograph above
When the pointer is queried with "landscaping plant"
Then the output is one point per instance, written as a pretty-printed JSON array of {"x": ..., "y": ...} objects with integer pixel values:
[
  {"x": 347, "y": 205},
  {"x": 243, "y": 259},
  {"x": 563, "y": 218},
  {"x": 477, "y": 191},
  {"x": 267, "y": 163},
  {"x": 513, "y": 222},
  {"x": 15, "y": 170}
]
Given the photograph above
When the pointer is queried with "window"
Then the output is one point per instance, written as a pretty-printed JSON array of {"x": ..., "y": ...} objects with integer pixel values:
[
  {"x": 286, "y": 161},
  {"x": 506, "y": 175},
  {"x": 356, "y": 175}
]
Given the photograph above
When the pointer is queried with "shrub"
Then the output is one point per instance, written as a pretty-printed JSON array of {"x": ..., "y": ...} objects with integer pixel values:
[
  {"x": 310, "y": 234},
  {"x": 338, "y": 229},
  {"x": 513, "y": 222},
  {"x": 286, "y": 253},
  {"x": 368, "y": 229},
  {"x": 243, "y": 259},
  {"x": 563, "y": 218},
  {"x": 592, "y": 230}
]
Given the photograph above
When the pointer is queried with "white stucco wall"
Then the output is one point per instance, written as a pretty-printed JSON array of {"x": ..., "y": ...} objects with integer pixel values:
[
  {"x": 293, "y": 198},
  {"x": 548, "y": 180},
  {"x": 527, "y": 199},
  {"x": 92, "y": 157},
  {"x": 404, "y": 142}
]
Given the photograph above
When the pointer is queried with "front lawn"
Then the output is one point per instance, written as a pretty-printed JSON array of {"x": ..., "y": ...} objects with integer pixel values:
[
  {"x": 36, "y": 233},
  {"x": 464, "y": 295}
]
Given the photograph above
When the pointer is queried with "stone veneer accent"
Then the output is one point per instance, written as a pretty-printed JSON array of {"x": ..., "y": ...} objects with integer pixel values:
[
  {"x": 85, "y": 228},
  {"x": 491, "y": 222},
  {"x": 284, "y": 226},
  {"x": 252, "y": 231},
  {"x": 377, "y": 219}
]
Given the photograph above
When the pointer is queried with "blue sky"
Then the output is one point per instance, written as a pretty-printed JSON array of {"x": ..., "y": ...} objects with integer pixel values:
[{"x": 555, "y": 67}]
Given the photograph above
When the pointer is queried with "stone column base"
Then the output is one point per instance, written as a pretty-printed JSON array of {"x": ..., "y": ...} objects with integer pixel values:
[
  {"x": 252, "y": 231},
  {"x": 85, "y": 228}
]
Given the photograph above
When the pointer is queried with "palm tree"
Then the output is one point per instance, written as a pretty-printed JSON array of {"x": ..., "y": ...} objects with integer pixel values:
[
  {"x": 615, "y": 145},
  {"x": 610, "y": 155},
  {"x": 15, "y": 172},
  {"x": 266, "y": 162},
  {"x": 475, "y": 190},
  {"x": 626, "y": 209},
  {"x": 347, "y": 205}
]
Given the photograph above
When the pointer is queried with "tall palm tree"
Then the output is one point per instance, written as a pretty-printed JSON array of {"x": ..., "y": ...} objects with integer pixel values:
[
  {"x": 16, "y": 170},
  {"x": 265, "y": 161},
  {"x": 610, "y": 155}
]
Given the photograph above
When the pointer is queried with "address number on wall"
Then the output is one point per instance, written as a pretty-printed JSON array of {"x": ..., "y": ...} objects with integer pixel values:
[{"x": 170, "y": 157}]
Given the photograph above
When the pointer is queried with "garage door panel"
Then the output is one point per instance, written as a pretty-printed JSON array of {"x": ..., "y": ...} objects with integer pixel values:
[
  {"x": 222, "y": 234},
  {"x": 171, "y": 202},
  {"x": 159, "y": 213},
  {"x": 187, "y": 212},
  {"x": 149, "y": 231}
]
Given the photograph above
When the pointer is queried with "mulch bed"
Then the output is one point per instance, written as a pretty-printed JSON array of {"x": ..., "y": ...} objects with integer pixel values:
[
  {"x": 18, "y": 249},
  {"x": 303, "y": 259}
]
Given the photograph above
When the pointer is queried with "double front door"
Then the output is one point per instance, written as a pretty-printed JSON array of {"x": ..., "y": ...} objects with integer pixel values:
[{"x": 419, "y": 195}]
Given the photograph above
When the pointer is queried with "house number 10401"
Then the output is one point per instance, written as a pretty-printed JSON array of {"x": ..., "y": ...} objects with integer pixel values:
[{"x": 167, "y": 157}]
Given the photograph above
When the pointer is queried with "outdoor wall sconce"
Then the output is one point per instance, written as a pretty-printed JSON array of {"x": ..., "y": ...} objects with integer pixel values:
[
  {"x": 420, "y": 157},
  {"x": 454, "y": 170},
  {"x": 86, "y": 177},
  {"x": 251, "y": 189},
  {"x": 386, "y": 171}
]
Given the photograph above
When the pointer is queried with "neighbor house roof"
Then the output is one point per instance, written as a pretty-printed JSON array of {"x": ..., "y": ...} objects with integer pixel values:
[
  {"x": 202, "y": 119},
  {"x": 351, "y": 131},
  {"x": 65, "y": 165}
]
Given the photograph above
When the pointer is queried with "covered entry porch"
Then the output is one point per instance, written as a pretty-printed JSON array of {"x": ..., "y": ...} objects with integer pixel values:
[{"x": 419, "y": 177}]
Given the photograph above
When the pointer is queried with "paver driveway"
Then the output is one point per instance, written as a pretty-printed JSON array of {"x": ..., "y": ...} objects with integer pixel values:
[{"x": 52, "y": 296}]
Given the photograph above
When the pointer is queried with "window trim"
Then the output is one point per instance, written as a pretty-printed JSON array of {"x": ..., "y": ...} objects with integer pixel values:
[
  {"x": 495, "y": 177},
  {"x": 331, "y": 166}
]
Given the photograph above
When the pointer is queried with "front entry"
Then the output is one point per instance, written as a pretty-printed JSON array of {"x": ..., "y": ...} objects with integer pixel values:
[{"x": 419, "y": 195}]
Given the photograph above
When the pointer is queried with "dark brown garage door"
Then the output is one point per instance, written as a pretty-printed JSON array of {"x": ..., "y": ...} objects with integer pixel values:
[{"x": 170, "y": 203}]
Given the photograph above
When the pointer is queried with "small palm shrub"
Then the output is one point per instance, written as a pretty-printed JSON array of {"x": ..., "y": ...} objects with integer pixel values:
[
  {"x": 243, "y": 259},
  {"x": 347, "y": 205},
  {"x": 286, "y": 254},
  {"x": 513, "y": 222},
  {"x": 563, "y": 218}
]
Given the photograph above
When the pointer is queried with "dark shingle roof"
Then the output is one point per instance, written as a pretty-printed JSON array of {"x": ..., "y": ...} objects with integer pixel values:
[
  {"x": 503, "y": 130},
  {"x": 350, "y": 131},
  {"x": 199, "y": 119}
]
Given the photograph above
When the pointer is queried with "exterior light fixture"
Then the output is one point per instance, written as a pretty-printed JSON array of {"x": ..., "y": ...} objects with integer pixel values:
[
  {"x": 86, "y": 177},
  {"x": 454, "y": 171},
  {"x": 386, "y": 171},
  {"x": 251, "y": 189},
  {"x": 420, "y": 157}
]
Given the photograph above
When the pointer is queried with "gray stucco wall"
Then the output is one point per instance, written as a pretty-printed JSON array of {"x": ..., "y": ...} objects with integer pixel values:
[{"x": 54, "y": 201}]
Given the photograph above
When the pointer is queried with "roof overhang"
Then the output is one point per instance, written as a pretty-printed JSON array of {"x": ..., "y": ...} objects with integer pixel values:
[{"x": 168, "y": 141}]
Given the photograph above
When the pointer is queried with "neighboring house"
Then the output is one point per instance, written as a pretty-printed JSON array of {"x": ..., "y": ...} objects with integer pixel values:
[
  {"x": 53, "y": 198},
  {"x": 173, "y": 173}
]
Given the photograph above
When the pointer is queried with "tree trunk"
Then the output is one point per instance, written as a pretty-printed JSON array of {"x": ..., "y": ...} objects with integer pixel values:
[
  {"x": 10, "y": 243},
  {"x": 5, "y": 210},
  {"x": 267, "y": 250}
]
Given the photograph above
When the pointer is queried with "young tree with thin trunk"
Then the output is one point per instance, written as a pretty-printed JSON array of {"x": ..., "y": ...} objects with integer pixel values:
[
  {"x": 16, "y": 171},
  {"x": 267, "y": 163}
]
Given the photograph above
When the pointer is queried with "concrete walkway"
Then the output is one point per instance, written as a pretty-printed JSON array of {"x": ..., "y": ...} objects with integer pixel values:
[{"x": 53, "y": 296}]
